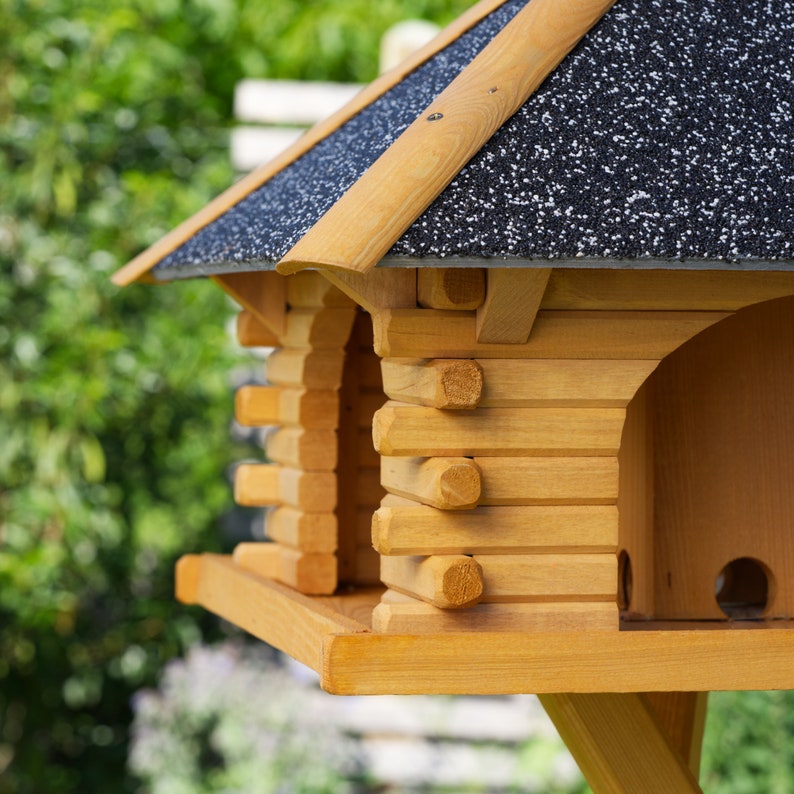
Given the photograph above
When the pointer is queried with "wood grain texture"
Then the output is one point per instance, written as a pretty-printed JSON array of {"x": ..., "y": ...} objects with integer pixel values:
[
  {"x": 400, "y": 429},
  {"x": 451, "y": 384},
  {"x": 296, "y": 447},
  {"x": 387, "y": 288},
  {"x": 458, "y": 288},
  {"x": 362, "y": 226},
  {"x": 259, "y": 558},
  {"x": 571, "y": 661},
  {"x": 252, "y": 333},
  {"x": 682, "y": 715},
  {"x": 724, "y": 464},
  {"x": 511, "y": 304},
  {"x": 310, "y": 574},
  {"x": 309, "y": 290},
  {"x": 145, "y": 261},
  {"x": 263, "y": 485},
  {"x": 429, "y": 333},
  {"x": 400, "y": 614},
  {"x": 549, "y": 481},
  {"x": 275, "y": 613},
  {"x": 548, "y": 577},
  {"x": 260, "y": 293},
  {"x": 561, "y": 382},
  {"x": 358, "y": 470},
  {"x": 305, "y": 368},
  {"x": 447, "y": 582},
  {"x": 649, "y": 659},
  {"x": 636, "y": 507},
  {"x": 445, "y": 483},
  {"x": 311, "y": 532},
  {"x": 663, "y": 290},
  {"x": 411, "y": 528},
  {"x": 319, "y": 329},
  {"x": 618, "y": 744},
  {"x": 312, "y": 409}
]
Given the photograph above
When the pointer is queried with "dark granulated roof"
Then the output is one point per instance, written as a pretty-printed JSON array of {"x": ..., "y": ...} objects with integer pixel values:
[
  {"x": 665, "y": 139},
  {"x": 668, "y": 134}
]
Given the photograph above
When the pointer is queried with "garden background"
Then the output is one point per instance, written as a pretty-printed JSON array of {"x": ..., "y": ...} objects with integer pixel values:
[{"x": 115, "y": 405}]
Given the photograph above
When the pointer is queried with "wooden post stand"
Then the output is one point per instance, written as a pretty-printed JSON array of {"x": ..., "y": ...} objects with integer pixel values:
[{"x": 625, "y": 743}]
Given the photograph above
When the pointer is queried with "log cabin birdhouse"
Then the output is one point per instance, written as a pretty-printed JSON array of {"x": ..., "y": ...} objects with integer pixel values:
[{"x": 531, "y": 299}]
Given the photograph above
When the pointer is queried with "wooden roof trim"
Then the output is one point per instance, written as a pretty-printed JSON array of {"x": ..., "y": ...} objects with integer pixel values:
[
  {"x": 358, "y": 231},
  {"x": 138, "y": 267}
]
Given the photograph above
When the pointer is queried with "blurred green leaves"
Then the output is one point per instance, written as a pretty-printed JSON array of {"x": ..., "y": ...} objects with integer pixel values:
[{"x": 115, "y": 404}]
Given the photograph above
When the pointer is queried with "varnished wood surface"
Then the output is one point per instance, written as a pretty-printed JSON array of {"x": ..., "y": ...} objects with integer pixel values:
[
  {"x": 400, "y": 429},
  {"x": 430, "y": 333},
  {"x": 511, "y": 304},
  {"x": 412, "y": 528},
  {"x": 723, "y": 424},
  {"x": 400, "y": 614},
  {"x": 586, "y": 661},
  {"x": 651, "y": 657},
  {"x": 619, "y": 744},
  {"x": 451, "y": 384}
]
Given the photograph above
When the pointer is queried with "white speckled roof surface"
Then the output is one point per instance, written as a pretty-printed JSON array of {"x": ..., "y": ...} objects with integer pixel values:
[{"x": 666, "y": 138}]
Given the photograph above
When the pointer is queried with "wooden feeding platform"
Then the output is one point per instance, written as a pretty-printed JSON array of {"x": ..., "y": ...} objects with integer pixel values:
[
  {"x": 530, "y": 299},
  {"x": 333, "y": 636}
]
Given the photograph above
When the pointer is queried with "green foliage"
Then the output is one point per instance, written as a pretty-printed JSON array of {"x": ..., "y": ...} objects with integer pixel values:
[
  {"x": 226, "y": 716},
  {"x": 115, "y": 405},
  {"x": 749, "y": 743}
]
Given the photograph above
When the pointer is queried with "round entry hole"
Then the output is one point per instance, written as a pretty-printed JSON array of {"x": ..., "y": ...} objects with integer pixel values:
[{"x": 743, "y": 589}]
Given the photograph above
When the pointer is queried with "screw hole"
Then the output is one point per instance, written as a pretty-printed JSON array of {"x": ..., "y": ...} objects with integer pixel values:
[{"x": 743, "y": 589}]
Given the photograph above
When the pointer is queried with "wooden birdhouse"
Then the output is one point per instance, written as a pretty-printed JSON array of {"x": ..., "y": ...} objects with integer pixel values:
[{"x": 532, "y": 302}]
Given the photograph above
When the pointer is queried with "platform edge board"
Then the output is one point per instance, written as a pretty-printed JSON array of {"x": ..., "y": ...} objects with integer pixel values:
[
  {"x": 324, "y": 633},
  {"x": 487, "y": 663},
  {"x": 272, "y": 612}
]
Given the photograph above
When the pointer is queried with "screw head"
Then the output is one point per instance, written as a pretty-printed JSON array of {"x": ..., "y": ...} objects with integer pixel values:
[{"x": 435, "y": 116}]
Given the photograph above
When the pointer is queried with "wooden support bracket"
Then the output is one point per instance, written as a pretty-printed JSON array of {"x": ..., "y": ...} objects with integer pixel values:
[
  {"x": 382, "y": 288},
  {"x": 262, "y": 293},
  {"x": 683, "y": 717},
  {"x": 511, "y": 304},
  {"x": 619, "y": 744},
  {"x": 252, "y": 333}
]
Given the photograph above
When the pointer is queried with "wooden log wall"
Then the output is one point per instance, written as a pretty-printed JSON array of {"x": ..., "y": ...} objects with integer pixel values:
[
  {"x": 525, "y": 492},
  {"x": 320, "y": 483},
  {"x": 502, "y": 440},
  {"x": 516, "y": 456}
]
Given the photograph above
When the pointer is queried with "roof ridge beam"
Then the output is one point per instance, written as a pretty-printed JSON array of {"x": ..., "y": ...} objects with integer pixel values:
[
  {"x": 358, "y": 231},
  {"x": 139, "y": 267}
]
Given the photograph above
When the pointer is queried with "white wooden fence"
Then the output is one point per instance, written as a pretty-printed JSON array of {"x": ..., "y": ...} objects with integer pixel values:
[{"x": 275, "y": 113}]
